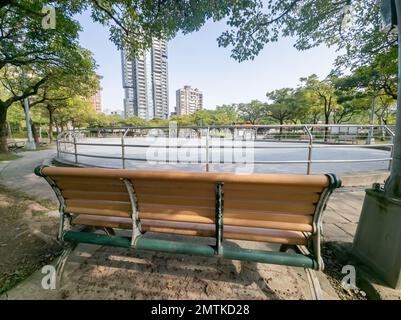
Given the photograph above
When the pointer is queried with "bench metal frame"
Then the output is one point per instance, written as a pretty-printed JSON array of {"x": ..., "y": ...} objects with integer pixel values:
[{"x": 307, "y": 259}]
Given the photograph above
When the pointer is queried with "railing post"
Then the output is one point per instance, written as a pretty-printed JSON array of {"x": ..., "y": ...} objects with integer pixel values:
[
  {"x": 75, "y": 149},
  {"x": 207, "y": 149},
  {"x": 232, "y": 146},
  {"x": 390, "y": 163},
  {"x": 123, "y": 151},
  {"x": 310, "y": 146},
  {"x": 58, "y": 147}
]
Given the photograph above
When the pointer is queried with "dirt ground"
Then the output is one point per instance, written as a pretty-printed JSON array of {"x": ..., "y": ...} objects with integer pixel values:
[
  {"x": 333, "y": 266},
  {"x": 27, "y": 236}
]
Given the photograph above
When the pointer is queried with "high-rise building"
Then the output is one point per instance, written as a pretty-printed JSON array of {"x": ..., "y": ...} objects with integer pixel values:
[
  {"x": 145, "y": 82},
  {"x": 188, "y": 100},
  {"x": 96, "y": 99}
]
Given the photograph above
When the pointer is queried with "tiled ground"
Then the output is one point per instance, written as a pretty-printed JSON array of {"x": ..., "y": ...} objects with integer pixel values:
[{"x": 342, "y": 214}]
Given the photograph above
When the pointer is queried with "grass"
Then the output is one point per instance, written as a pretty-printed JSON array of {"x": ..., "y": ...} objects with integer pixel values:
[{"x": 8, "y": 156}]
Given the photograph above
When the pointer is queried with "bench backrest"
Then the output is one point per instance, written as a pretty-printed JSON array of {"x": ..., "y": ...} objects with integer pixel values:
[{"x": 186, "y": 200}]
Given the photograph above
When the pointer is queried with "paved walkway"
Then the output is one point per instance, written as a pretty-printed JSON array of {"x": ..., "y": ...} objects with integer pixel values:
[
  {"x": 100, "y": 272},
  {"x": 342, "y": 214},
  {"x": 18, "y": 174}
]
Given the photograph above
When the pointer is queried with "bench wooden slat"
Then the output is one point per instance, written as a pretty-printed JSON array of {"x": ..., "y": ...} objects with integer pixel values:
[
  {"x": 147, "y": 199},
  {"x": 91, "y": 187},
  {"x": 186, "y": 232},
  {"x": 172, "y": 211},
  {"x": 124, "y": 206},
  {"x": 271, "y": 195},
  {"x": 283, "y": 239},
  {"x": 274, "y": 179},
  {"x": 270, "y": 206},
  {"x": 92, "y": 181},
  {"x": 266, "y": 215},
  {"x": 173, "y": 191},
  {"x": 93, "y": 195},
  {"x": 269, "y": 224},
  {"x": 163, "y": 184},
  {"x": 229, "y": 221},
  {"x": 272, "y": 188},
  {"x": 100, "y": 212},
  {"x": 103, "y": 221}
]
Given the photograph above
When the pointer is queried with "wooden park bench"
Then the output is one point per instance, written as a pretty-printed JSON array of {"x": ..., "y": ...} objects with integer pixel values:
[
  {"x": 273, "y": 208},
  {"x": 14, "y": 144},
  {"x": 346, "y": 138}
]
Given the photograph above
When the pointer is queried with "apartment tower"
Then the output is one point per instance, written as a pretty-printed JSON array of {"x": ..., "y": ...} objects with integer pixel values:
[
  {"x": 188, "y": 100},
  {"x": 96, "y": 99},
  {"x": 145, "y": 83}
]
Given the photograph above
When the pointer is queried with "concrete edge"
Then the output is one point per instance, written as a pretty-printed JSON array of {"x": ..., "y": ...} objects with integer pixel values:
[{"x": 364, "y": 178}]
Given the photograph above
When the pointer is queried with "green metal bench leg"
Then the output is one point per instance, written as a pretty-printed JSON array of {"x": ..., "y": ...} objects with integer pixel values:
[{"x": 219, "y": 197}]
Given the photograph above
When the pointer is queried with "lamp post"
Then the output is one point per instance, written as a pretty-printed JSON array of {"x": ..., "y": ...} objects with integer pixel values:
[
  {"x": 31, "y": 142},
  {"x": 377, "y": 241}
]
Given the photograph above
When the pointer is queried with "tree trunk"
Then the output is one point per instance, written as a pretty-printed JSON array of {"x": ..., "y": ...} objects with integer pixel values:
[
  {"x": 35, "y": 134},
  {"x": 3, "y": 129},
  {"x": 393, "y": 183},
  {"x": 50, "y": 134},
  {"x": 326, "y": 129}
]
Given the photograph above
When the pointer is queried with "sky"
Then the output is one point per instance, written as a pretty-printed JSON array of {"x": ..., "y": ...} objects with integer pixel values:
[{"x": 196, "y": 60}]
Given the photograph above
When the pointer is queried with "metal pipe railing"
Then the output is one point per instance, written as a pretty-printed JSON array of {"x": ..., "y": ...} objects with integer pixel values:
[{"x": 308, "y": 142}]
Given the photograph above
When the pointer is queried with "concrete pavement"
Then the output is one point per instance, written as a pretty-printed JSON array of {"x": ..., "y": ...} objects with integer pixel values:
[{"x": 18, "y": 174}]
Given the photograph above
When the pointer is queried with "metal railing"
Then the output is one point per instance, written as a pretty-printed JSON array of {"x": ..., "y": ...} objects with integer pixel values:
[{"x": 309, "y": 137}]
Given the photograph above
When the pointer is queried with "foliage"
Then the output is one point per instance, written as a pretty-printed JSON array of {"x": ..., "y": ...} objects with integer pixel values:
[
  {"x": 287, "y": 105},
  {"x": 252, "y": 112},
  {"x": 351, "y": 26}
]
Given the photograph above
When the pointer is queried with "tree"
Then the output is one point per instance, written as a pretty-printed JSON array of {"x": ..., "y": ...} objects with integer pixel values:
[
  {"x": 15, "y": 117},
  {"x": 134, "y": 121},
  {"x": 28, "y": 47},
  {"x": 310, "y": 23},
  {"x": 226, "y": 115},
  {"x": 385, "y": 110},
  {"x": 350, "y": 106},
  {"x": 134, "y": 24},
  {"x": 325, "y": 92},
  {"x": 77, "y": 111},
  {"x": 252, "y": 112},
  {"x": 287, "y": 105},
  {"x": 379, "y": 76},
  {"x": 78, "y": 84},
  {"x": 373, "y": 81},
  {"x": 30, "y": 53}
]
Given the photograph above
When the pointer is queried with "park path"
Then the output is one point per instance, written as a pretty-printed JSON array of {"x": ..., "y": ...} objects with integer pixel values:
[
  {"x": 104, "y": 273},
  {"x": 18, "y": 174}
]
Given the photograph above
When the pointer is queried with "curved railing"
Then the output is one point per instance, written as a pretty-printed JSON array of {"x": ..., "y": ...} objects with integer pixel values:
[{"x": 120, "y": 146}]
